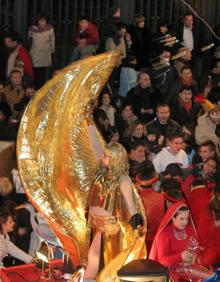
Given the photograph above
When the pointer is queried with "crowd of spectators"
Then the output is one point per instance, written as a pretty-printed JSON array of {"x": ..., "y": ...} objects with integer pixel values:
[{"x": 160, "y": 102}]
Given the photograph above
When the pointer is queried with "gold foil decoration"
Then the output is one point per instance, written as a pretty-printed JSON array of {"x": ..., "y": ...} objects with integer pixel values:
[{"x": 56, "y": 161}]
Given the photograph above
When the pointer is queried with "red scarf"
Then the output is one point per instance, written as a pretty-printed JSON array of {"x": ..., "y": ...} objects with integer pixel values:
[
  {"x": 186, "y": 106},
  {"x": 186, "y": 82}
]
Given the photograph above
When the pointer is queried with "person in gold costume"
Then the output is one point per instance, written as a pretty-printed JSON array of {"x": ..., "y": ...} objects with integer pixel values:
[
  {"x": 62, "y": 184},
  {"x": 115, "y": 211}
]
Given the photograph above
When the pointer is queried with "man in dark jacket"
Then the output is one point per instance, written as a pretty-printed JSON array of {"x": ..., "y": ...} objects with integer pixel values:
[
  {"x": 143, "y": 98},
  {"x": 162, "y": 123},
  {"x": 185, "y": 111}
]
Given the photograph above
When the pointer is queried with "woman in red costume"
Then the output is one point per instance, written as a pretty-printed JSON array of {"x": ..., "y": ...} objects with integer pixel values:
[
  {"x": 209, "y": 232},
  {"x": 175, "y": 244}
]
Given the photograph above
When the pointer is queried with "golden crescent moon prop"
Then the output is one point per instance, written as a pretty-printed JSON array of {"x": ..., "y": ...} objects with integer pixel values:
[{"x": 56, "y": 162}]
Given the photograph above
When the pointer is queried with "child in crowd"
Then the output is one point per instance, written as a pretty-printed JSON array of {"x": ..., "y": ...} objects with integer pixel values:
[{"x": 153, "y": 141}]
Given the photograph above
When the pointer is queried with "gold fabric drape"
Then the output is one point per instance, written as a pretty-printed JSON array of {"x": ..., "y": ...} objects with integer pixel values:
[{"x": 56, "y": 161}]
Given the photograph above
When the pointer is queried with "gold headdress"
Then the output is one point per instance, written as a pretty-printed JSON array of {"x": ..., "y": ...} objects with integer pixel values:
[{"x": 118, "y": 164}]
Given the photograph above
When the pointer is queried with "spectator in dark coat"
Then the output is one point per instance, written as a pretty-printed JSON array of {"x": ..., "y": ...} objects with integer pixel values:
[
  {"x": 143, "y": 98},
  {"x": 141, "y": 38},
  {"x": 162, "y": 123},
  {"x": 185, "y": 78},
  {"x": 185, "y": 111}
]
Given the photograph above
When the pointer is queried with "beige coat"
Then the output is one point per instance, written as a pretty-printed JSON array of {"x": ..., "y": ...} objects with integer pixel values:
[
  {"x": 205, "y": 130},
  {"x": 43, "y": 46}
]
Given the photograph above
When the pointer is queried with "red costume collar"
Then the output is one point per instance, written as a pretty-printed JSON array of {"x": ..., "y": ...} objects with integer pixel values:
[
  {"x": 148, "y": 182},
  {"x": 171, "y": 199}
]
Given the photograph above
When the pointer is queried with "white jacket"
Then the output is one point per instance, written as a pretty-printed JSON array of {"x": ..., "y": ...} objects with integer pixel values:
[{"x": 7, "y": 247}]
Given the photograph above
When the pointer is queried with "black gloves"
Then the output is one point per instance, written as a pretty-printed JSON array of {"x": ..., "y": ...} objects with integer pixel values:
[{"x": 136, "y": 220}]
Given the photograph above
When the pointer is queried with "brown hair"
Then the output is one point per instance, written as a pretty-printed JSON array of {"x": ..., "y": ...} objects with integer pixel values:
[
  {"x": 208, "y": 144},
  {"x": 4, "y": 214},
  {"x": 139, "y": 18},
  {"x": 15, "y": 71},
  {"x": 133, "y": 126}
]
